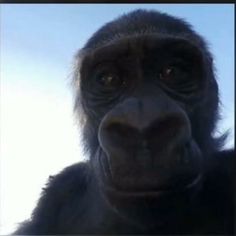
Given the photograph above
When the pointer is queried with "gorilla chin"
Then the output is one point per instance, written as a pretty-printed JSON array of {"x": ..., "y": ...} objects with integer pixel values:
[{"x": 142, "y": 204}]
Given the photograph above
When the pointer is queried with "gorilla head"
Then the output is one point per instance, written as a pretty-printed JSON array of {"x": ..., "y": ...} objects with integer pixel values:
[{"x": 149, "y": 98}]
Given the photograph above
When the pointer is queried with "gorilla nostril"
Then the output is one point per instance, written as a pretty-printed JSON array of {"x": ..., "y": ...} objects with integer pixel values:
[
  {"x": 120, "y": 133},
  {"x": 166, "y": 130},
  {"x": 144, "y": 144},
  {"x": 188, "y": 144}
]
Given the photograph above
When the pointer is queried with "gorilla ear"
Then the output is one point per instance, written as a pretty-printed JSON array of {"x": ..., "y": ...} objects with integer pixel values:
[
  {"x": 75, "y": 84},
  {"x": 78, "y": 58}
]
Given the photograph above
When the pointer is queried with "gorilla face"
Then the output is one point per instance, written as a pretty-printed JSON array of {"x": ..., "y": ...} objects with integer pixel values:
[
  {"x": 144, "y": 96},
  {"x": 143, "y": 89}
]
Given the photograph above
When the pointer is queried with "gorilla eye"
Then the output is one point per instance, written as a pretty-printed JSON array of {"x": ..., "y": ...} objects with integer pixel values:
[
  {"x": 171, "y": 72},
  {"x": 110, "y": 81}
]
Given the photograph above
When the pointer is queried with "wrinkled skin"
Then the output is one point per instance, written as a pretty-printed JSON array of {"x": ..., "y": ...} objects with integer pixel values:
[{"x": 148, "y": 99}]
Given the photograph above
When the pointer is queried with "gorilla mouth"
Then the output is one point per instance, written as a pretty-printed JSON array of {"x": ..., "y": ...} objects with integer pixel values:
[
  {"x": 154, "y": 192},
  {"x": 184, "y": 183}
]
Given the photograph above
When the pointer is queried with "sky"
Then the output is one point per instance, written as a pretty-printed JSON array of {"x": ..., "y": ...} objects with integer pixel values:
[{"x": 38, "y": 132}]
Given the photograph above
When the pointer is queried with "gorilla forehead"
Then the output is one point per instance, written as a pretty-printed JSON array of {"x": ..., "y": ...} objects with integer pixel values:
[
  {"x": 144, "y": 22},
  {"x": 131, "y": 50}
]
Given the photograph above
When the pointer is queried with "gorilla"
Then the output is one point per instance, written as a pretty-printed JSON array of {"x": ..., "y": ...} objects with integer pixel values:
[{"x": 147, "y": 100}]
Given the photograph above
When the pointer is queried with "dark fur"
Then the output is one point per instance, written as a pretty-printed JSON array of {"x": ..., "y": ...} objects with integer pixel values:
[{"x": 72, "y": 202}]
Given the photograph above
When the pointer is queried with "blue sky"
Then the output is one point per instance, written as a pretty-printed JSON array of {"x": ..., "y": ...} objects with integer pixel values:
[{"x": 38, "y": 42}]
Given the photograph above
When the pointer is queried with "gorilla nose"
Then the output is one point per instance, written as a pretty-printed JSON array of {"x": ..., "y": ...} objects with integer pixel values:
[{"x": 142, "y": 127}]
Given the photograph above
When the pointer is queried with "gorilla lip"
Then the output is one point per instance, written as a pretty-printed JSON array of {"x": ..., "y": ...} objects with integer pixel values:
[
  {"x": 108, "y": 185},
  {"x": 154, "y": 192}
]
